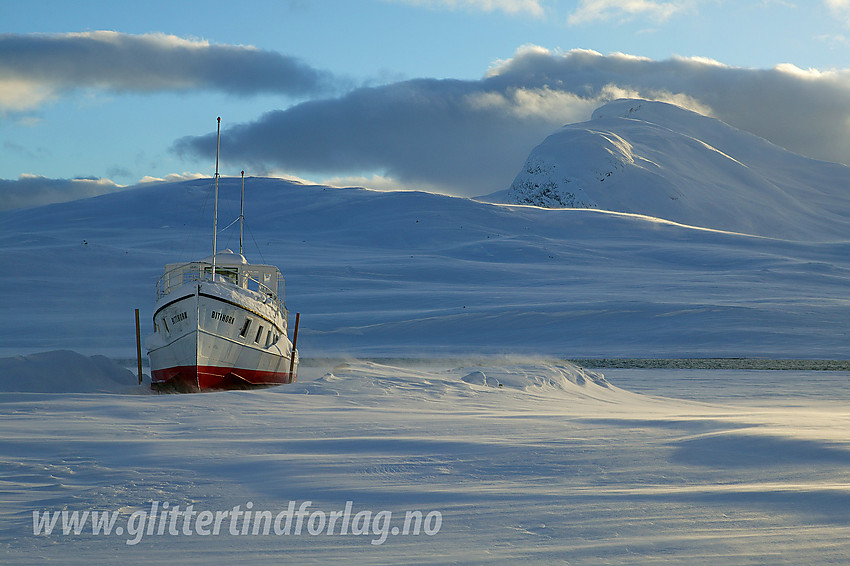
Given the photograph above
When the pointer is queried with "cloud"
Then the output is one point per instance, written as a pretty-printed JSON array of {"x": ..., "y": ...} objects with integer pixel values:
[
  {"x": 33, "y": 190},
  {"x": 39, "y": 67},
  {"x": 532, "y": 7},
  {"x": 472, "y": 137},
  {"x": 589, "y": 11},
  {"x": 806, "y": 111},
  {"x": 375, "y": 182},
  {"x": 172, "y": 178},
  {"x": 840, "y": 9}
]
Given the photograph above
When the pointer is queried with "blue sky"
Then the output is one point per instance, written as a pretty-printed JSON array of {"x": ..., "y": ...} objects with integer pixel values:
[{"x": 444, "y": 95}]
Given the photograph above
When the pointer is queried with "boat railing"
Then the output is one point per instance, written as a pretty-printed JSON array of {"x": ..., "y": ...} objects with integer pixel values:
[
  {"x": 254, "y": 284},
  {"x": 236, "y": 275}
]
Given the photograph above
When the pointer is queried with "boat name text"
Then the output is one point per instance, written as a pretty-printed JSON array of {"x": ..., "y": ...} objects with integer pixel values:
[{"x": 223, "y": 317}]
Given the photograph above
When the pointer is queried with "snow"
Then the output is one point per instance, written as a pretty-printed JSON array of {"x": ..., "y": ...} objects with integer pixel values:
[
  {"x": 433, "y": 337},
  {"x": 549, "y": 468}
]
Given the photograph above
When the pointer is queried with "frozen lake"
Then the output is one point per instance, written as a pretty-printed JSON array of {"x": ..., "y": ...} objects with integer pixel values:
[
  {"x": 753, "y": 386},
  {"x": 529, "y": 460}
]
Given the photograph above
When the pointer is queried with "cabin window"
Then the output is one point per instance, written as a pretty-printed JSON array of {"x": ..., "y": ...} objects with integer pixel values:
[
  {"x": 165, "y": 324},
  {"x": 268, "y": 338},
  {"x": 245, "y": 327},
  {"x": 259, "y": 334},
  {"x": 229, "y": 274}
]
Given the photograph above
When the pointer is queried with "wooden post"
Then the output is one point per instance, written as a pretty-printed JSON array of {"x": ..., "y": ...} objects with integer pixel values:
[
  {"x": 294, "y": 342},
  {"x": 138, "y": 346}
]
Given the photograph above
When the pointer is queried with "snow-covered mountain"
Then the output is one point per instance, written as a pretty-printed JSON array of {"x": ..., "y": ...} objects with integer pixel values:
[
  {"x": 664, "y": 161},
  {"x": 417, "y": 274}
]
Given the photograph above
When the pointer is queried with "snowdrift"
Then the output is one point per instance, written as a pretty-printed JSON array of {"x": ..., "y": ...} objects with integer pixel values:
[
  {"x": 660, "y": 160},
  {"x": 64, "y": 371},
  {"x": 430, "y": 380}
]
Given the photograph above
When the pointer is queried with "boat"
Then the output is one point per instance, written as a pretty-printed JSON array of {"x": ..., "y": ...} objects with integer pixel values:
[{"x": 221, "y": 322}]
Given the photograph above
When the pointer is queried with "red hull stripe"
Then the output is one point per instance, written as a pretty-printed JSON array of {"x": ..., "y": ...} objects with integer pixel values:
[{"x": 203, "y": 378}]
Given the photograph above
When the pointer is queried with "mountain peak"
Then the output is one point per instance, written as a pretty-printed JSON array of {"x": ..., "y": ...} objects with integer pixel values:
[{"x": 661, "y": 160}]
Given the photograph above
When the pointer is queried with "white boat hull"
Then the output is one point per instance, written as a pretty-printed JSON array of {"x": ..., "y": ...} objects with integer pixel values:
[{"x": 219, "y": 336}]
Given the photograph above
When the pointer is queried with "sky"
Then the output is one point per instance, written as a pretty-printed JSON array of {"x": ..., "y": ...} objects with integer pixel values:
[{"x": 447, "y": 96}]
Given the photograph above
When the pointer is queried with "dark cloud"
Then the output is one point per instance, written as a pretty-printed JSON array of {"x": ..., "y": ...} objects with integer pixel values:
[
  {"x": 471, "y": 137},
  {"x": 47, "y": 64},
  {"x": 32, "y": 190},
  {"x": 429, "y": 131}
]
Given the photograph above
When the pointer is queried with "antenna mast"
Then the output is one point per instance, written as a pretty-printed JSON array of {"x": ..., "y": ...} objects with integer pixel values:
[
  {"x": 215, "y": 214},
  {"x": 241, "y": 212}
]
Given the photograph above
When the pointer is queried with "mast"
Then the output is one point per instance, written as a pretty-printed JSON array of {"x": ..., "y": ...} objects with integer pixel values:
[
  {"x": 215, "y": 214},
  {"x": 241, "y": 212}
]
